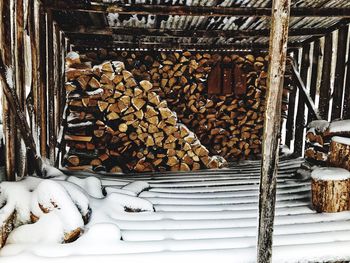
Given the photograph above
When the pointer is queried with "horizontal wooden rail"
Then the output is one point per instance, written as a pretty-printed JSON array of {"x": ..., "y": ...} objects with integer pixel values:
[
  {"x": 131, "y": 31},
  {"x": 98, "y": 7}
]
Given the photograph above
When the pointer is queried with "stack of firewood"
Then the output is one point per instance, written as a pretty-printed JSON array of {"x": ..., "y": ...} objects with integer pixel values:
[
  {"x": 228, "y": 124},
  {"x": 116, "y": 122},
  {"x": 317, "y": 143}
]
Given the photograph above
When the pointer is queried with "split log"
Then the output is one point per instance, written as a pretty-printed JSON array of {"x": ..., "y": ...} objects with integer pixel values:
[{"x": 330, "y": 190}]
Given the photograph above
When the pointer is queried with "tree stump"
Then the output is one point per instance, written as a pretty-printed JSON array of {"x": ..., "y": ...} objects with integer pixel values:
[
  {"x": 330, "y": 190},
  {"x": 340, "y": 152}
]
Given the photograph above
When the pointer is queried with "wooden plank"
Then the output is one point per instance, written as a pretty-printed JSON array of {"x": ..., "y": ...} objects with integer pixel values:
[
  {"x": 81, "y": 45},
  {"x": 42, "y": 82},
  {"x": 300, "y": 118},
  {"x": 213, "y": 11},
  {"x": 51, "y": 90},
  {"x": 326, "y": 78},
  {"x": 304, "y": 92},
  {"x": 314, "y": 73},
  {"x": 9, "y": 122},
  {"x": 346, "y": 106},
  {"x": 88, "y": 32},
  {"x": 339, "y": 73},
  {"x": 271, "y": 138},
  {"x": 290, "y": 117}
]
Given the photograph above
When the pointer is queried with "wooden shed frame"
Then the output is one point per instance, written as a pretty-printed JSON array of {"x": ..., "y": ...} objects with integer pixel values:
[{"x": 34, "y": 45}]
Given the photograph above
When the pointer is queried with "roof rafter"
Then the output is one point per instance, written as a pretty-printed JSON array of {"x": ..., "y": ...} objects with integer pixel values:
[{"x": 98, "y": 7}]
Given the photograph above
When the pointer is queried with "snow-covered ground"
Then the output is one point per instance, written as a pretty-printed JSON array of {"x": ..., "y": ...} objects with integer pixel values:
[{"x": 204, "y": 216}]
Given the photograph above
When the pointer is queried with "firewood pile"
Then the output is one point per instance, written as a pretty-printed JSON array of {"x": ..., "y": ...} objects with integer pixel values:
[
  {"x": 328, "y": 143},
  {"x": 317, "y": 143},
  {"x": 229, "y": 123},
  {"x": 116, "y": 122}
]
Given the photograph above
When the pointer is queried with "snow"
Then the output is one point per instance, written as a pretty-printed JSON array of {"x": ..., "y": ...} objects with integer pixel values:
[
  {"x": 136, "y": 187},
  {"x": 340, "y": 126},
  {"x": 92, "y": 185},
  {"x": 201, "y": 216},
  {"x": 330, "y": 173},
  {"x": 341, "y": 140},
  {"x": 319, "y": 126}
]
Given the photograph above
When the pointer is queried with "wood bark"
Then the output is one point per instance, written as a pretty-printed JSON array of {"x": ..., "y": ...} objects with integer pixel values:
[
  {"x": 330, "y": 196},
  {"x": 269, "y": 162}
]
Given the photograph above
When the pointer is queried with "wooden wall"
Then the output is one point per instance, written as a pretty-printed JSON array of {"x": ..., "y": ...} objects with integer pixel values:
[
  {"x": 32, "y": 46},
  {"x": 323, "y": 64}
]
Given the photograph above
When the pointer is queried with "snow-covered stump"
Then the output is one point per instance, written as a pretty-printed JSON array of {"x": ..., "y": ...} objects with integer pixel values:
[
  {"x": 330, "y": 190},
  {"x": 339, "y": 155}
]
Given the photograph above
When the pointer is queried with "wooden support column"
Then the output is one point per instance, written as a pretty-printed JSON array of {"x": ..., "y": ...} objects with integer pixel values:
[
  {"x": 346, "y": 106},
  {"x": 271, "y": 135},
  {"x": 9, "y": 122},
  {"x": 50, "y": 86},
  {"x": 300, "y": 118},
  {"x": 326, "y": 78},
  {"x": 314, "y": 73},
  {"x": 42, "y": 82},
  {"x": 339, "y": 73}
]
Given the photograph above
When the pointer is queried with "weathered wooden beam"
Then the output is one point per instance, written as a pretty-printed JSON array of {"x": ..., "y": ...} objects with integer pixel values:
[
  {"x": 172, "y": 45},
  {"x": 290, "y": 125},
  {"x": 316, "y": 55},
  {"x": 42, "y": 81},
  {"x": 300, "y": 118},
  {"x": 131, "y": 31},
  {"x": 142, "y": 9},
  {"x": 304, "y": 92},
  {"x": 51, "y": 84},
  {"x": 346, "y": 106},
  {"x": 339, "y": 73},
  {"x": 9, "y": 122},
  {"x": 326, "y": 78},
  {"x": 271, "y": 132}
]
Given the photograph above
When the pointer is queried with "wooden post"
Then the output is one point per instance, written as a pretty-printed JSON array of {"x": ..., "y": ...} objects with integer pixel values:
[
  {"x": 314, "y": 73},
  {"x": 300, "y": 118},
  {"x": 271, "y": 135},
  {"x": 9, "y": 122},
  {"x": 326, "y": 78},
  {"x": 339, "y": 73},
  {"x": 346, "y": 106}
]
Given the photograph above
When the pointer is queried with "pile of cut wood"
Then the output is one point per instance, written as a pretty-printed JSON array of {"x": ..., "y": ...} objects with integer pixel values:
[
  {"x": 229, "y": 121},
  {"x": 116, "y": 122},
  {"x": 328, "y": 143}
]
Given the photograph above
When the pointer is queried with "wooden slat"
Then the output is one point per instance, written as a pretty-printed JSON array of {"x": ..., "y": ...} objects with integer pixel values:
[
  {"x": 339, "y": 73},
  {"x": 214, "y": 11},
  {"x": 346, "y": 106},
  {"x": 9, "y": 123},
  {"x": 314, "y": 73},
  {"x": 326, "y": 78},
  {"x": 272, "y": 121},
  {"x": 300, "y": 118},
  {"x": 87, "y": 32}
]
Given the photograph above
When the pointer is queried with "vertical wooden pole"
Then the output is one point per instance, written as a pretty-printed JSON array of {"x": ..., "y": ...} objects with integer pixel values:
[
  {"x": 51, "y": 86},
  {"x": 42, "y": 82},
  {"x": 326, "y": 78},
  {"x": 271, "y": 135},
  {"x": 339, "y": 73},
  {"x": 346, "y": 107},
  {"x": 290, "y": 125},
  {"x": 314, "y": 73},
  {"x": 300, "y": 118},
  {"x": 9, "y": 122}
]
